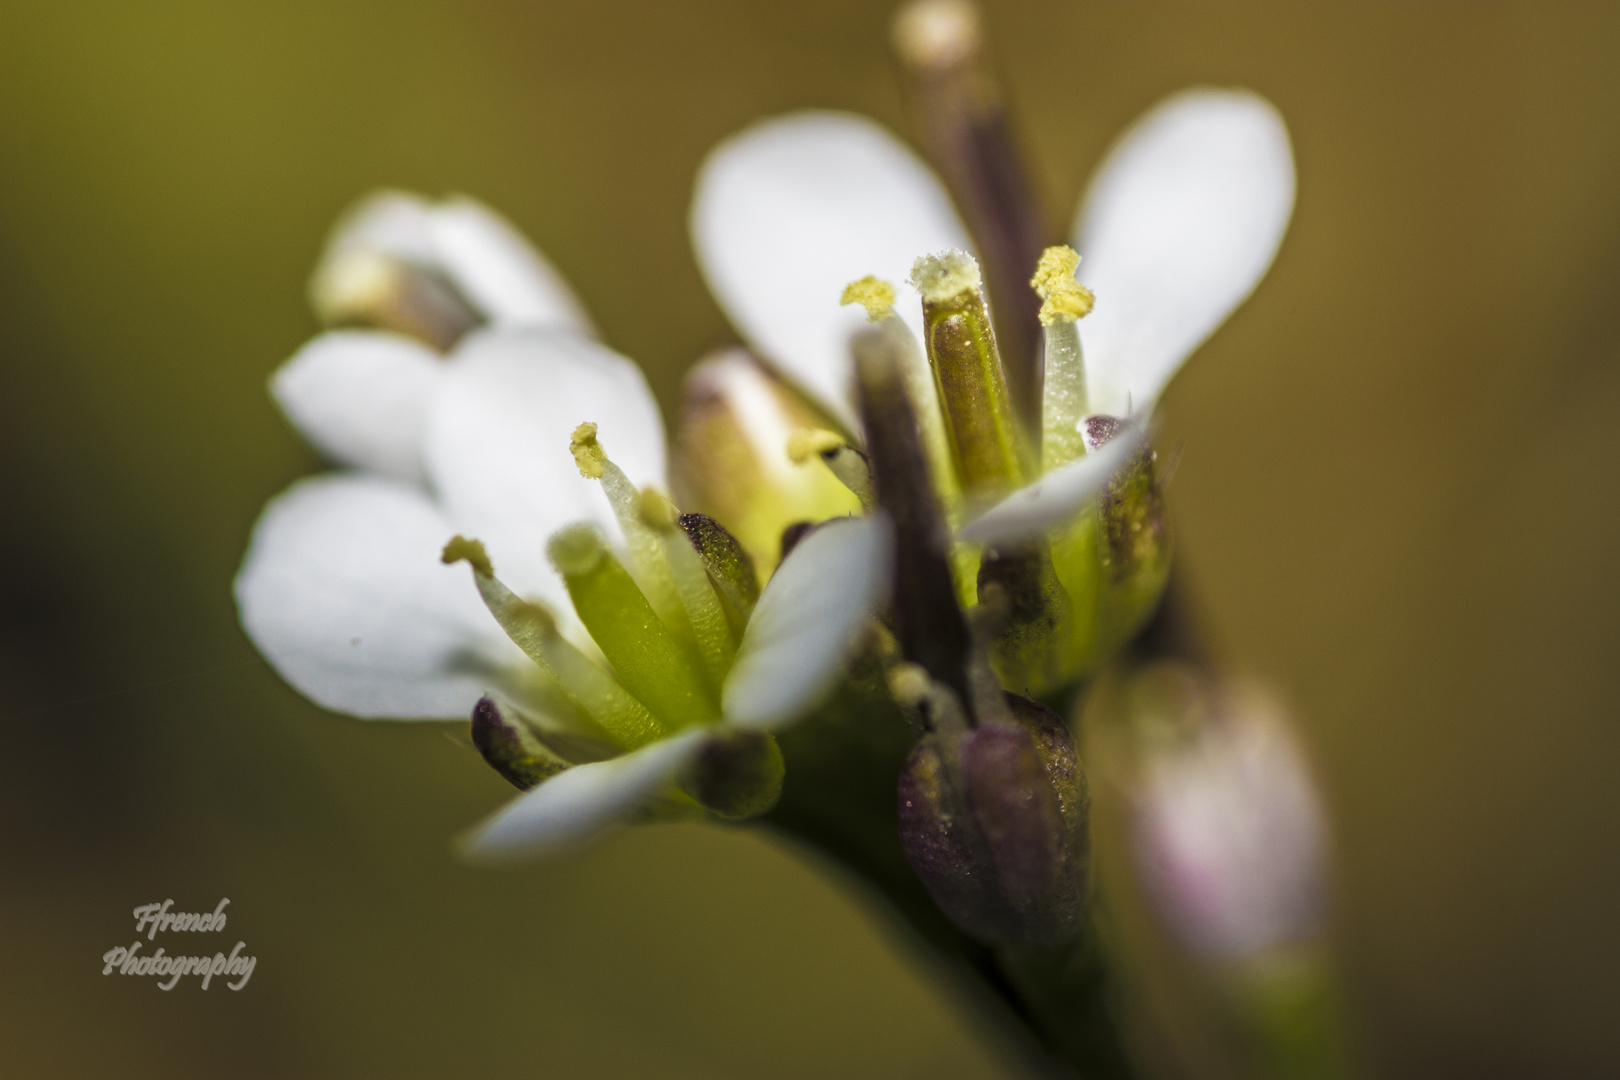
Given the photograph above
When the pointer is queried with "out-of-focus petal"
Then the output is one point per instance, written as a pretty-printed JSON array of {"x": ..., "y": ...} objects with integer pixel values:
[
  {"x": 499, "y": 270},
  {"x": 1180, "y": 224},
  {"x": 807, "y": 621},
  {"x": 574, "y": 806},
  {"x": 1055, "y": 497},
  {"x": 789, "y": 211},
  {"x": 343, "y": 592},
  {"x": 391, "y": 222},
  {"x": 361, "y": 398},
  {"x": 497, "y": 444}
]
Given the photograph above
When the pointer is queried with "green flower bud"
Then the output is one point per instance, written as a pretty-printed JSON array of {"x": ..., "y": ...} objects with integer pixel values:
[{"x": 731, "y": 460}]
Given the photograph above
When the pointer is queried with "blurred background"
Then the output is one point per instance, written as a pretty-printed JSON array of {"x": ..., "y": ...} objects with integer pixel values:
[{"x": 1399, "y": 500}]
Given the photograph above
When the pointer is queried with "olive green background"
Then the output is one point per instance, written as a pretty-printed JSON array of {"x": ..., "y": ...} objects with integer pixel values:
[{"x": 1399, "y": 499}]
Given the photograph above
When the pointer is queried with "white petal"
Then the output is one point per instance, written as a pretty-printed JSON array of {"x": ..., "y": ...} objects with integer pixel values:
[
  {"x": 791, "y": 210},
  {"x": 499, "y": 270},
  {"x": 1179, "y": 226},
  {"x": 575, "y": 805},
  {"x": 395, "y": 222},
  {"x": 809, "y": 617},
  {"x": 361, "y": 398},
  {"x": 497, "y": 444},
  {"x": 1055, "y": 497},
  {"x": 343, "y": 592}
]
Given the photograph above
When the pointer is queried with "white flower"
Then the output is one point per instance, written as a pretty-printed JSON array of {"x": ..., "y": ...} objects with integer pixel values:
[
  {"x": 1178, "y": 226},
  {"x": 342, "y": 587}
]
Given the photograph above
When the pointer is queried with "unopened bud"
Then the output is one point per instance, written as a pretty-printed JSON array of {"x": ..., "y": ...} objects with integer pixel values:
[
  {"x": 1227, "y": 830},
  {"x": 993, "y": 820},
  {"x": 1136, "y": 552},
  {"x": 737, "y": 774},
  {"x": 380, "y": 270},
  {"x": 731, "y": 458}
]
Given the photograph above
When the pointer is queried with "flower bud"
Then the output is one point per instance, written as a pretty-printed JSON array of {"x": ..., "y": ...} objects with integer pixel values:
[
  {"x": 1227, "y": 831},
  {"x": 380, "y": 271},
  {"x": 731, "y": 457},
  {"x": 737, "y": 774},
  {"x": 993, "y": 820},
  {"x": 1112, "y": 559}
]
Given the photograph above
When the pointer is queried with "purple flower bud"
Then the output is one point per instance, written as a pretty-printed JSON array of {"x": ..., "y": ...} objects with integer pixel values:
[
  {"x": 993, "y": 820},
  {"x": 1229, "y": 836}
]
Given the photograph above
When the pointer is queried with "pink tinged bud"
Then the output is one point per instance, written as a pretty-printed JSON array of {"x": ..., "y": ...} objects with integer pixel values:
[{"x": 1229, "y": 838}]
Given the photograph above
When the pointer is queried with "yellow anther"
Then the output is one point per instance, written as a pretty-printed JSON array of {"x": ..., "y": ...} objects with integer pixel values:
[
  {"x": 909, "y": 684},
  {"x": 655, "y": 509},
  {"x": 811, "y": 442},
  {"x": 472, "y": 551},
  {"x": 872, "y": 293},
  {"x": 1063, "y": 299},
  {"x": 588, "y": 453},
  {"x": 945, "y": 276},
  {"x": 576, "y": 549}
]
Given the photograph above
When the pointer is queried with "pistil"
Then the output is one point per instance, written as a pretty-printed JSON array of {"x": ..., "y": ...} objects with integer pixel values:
[
  {"x": 986, "y": 441},
  {"x": 965, "y": 130}
]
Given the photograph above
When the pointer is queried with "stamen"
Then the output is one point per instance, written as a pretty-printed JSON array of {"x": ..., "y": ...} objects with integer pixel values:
[
  {"x": 1064, "y": 402},
  {"x": 704, "y": 610},
  {"x": 647, "y": 560},
  {"x": 935, "y": 706},
  {"x": 808, "y": 442},
  {"x": 1063, "y": 298},
  {"x": 533, "y": 629},
  {"x": 986, "y": 441},
  {"x": 872, "y": 293},
  {"x": 919, "y": 379},
  {"x": 842, "y": 459},
  {"x": 588, "y": 453}
]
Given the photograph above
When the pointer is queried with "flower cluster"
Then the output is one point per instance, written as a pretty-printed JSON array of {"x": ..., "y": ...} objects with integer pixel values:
[{"x": 927, "y": 470}]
